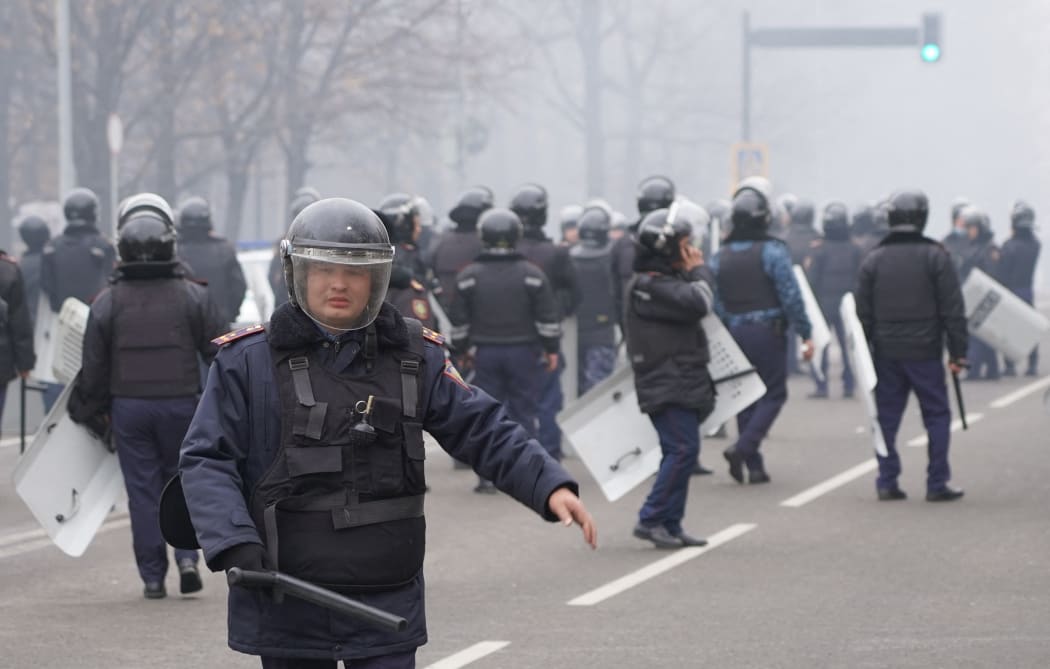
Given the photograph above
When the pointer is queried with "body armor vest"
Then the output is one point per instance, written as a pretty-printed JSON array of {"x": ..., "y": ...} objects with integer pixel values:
[
  {"x": 154, "y": 339},
  {"x": 342, "y": 504},
  {"x": 743, "y": 284},
  {"x": 595, "y": 279},
  {"x": 841, "y": 261},
  {"x": 455, "y": 250}
]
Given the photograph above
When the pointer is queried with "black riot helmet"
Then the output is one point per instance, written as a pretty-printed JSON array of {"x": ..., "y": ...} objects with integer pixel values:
[
  {"x": 530, "y": 204},
  {"x": 144, "y": 202},
  {"x": 661, "y": 231},
  {"x": 803, "y": 213},
  {"x": 593, "y": 226},
  {"x": 302, "y": 199},
  {"x": 751, "y": 213},
  {"x": 1022, "y": 216},
  {"x": 35, "y": 233},
  {"x": 471, "y": 205},
  {"x": 343, "y": 242},
  {"x": 81, "y": 207},
  {"x": 500, "y": 230},
  {"x": 146, "y": 236},
  {"x": 863, "y": 219},
  {"x": 655, "y": 192},
  {"x": 195, "y": 214},
  {"x": 958, "y": 204},
  {"x": 835, "y": 221},
  {"x": 399, "y": 213},
  {"x": 908, "y": 208}
]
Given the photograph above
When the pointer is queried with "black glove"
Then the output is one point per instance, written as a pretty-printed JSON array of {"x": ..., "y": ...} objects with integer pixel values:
[{"x": 249, "y": 557}]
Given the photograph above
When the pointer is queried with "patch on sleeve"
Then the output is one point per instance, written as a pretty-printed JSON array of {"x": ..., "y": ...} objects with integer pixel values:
[
  {"x": 433, "y": 337},
  {"x": 421, "y": 310},
  {"x": 237, "y": 334},
  {"x": 453, "y": 373}
]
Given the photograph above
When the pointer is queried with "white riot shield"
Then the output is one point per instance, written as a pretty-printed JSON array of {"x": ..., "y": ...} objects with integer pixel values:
[
  {"x": 1001, "y": 319},
  {"x": 69, "y": 339},
  {"x": 736, "y": 381},
  {"x": 821, "y": 335},
  {"x": 615, "y": 441},
  {"x": 68, "y": 479},
  {"x": 43, "y": 341},
  {"x": 863, "y": 367}
]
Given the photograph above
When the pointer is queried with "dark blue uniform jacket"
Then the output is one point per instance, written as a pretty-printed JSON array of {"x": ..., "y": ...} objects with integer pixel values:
[{"x": 233, "y": 440}]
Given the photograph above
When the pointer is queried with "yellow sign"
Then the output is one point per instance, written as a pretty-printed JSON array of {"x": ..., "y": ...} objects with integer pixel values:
[{"x": 748, "y": 160}]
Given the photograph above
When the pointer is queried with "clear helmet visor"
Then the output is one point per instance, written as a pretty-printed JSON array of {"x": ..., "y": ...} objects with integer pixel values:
[{"x": 342, "y": 288}]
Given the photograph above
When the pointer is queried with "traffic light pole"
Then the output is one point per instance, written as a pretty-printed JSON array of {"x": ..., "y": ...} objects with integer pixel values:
[{"x": 927, "y": 37}]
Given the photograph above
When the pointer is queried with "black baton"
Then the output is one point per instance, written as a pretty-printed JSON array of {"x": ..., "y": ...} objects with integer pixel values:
[
  {"x": 22, "y": 417},
  {"x": 959, "y": 400},
  {"x": 315, "y": 594}
]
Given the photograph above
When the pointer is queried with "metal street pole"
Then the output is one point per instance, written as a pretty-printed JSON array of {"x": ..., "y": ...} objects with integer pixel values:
[
  {"x": 745, "y": 80},
  {"x": 67, "y": 175},
  {"x": 115, "y": 140}
]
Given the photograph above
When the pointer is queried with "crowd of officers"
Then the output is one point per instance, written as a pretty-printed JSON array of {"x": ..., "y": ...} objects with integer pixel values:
[{"x": 360, "y": 293}]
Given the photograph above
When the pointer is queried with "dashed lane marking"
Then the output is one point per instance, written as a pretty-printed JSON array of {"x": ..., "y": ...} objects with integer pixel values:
[
  {"x": 837, "y": 481},
  {"x": 679, "y": 557},
  {"x": 26, "y": 542},
  {"x": 1021, "y": 393},
  {"x": 469, "y": 655},
  {"x": 956, "y": 425}
]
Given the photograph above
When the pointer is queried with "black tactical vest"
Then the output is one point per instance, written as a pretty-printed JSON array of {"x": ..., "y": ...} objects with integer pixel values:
[
  {"x": 743, "y": 284},
  {"x": 155, "y": 336},
  {"x": 595, "y": 280},
  {"x": 340, "y": 507},
  {"x": 455, "y": 250},
  {"x": 841, "y": 262}
]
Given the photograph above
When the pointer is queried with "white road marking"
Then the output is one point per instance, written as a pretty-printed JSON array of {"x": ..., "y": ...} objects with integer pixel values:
[
  {"x": 33, "y": 544},
  {"x": 861, "y": 429},
  {"x": 469, "y": 655},
  {"x": 679, "y": 557},
  {"x": 1021, "y": 393},
  {"x": 807, "y": 496},
  {"x": 971, "y": 418}
]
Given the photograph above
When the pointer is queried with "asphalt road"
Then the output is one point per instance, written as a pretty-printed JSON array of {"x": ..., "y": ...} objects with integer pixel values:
[{"x": 839, "y": 581}]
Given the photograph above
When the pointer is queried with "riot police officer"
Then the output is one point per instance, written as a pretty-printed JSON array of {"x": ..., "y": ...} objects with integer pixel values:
[
  {"x": 862, "y": 228},
  {"x": 334, "y": 434},
  {"x": 141, "y": 377},
  {"x": 908, "y": 336},
  {"x": 1017, "y": 262},
  {"x": 16, "y": 329},
  {"x": 957, "y": 241},
  {"x": 530, "y": 204},
  {"x": 668, "y": 295},
  {"x": 801, "y": 234},
  {"x": 408, "y": 277},
  {"x": 35, "y": 233},
  {"x": 654, "y": 192},
  {"x": 598, "y": 312},
  {"x": 758, "y": 298},
  {"x": 303, "y": 198},
  {"x": 505, "y": 307},
  {"x": 457, "y": 248},
  {"x": 832, "y": 272},
  {"x": 983, "y": 254},
  {"x": 568, "y": 219},
  {"x": 210, "y": 257},
  {"x": 77, "y": 262}
]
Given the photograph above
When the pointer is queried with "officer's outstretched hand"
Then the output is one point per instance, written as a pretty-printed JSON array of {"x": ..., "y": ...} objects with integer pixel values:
[
  {"x": 568, "y": 508},
  {"x": 807, "y": 350}
]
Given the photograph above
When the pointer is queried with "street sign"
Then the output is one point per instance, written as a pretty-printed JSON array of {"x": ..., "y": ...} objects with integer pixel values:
[
  {"x": 115, "y": 134},
  {"x": 749, "y": 160}
]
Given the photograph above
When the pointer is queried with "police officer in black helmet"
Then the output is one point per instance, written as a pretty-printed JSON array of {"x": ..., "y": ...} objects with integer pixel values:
[
  {"x": 530, "y": 204},
  {"x": 408, "y": 278},
  {"x": 457, "y": 248},
  {"x": 1020, "y": 255},
  {"x": 35, "y": 233},
  {"x": 141, "y": 376},
  {"x": 334, "y": 396},
  {"x": 598, "y": 312},
  {"x": 505, "y": 307},
  {"x": 655, "y": 192},
  {"x": 908, "y": 336},
  {"x": 211, "y": 258},
  {"x": 302, "y": 198},
  {"x": 668, "y": 295}
]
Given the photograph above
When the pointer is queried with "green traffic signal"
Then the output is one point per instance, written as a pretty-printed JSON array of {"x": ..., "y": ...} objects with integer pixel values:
[{"x": 931, "y": 53}]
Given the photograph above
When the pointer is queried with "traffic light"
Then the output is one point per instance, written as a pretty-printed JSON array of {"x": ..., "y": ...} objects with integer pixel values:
[{"x": 931, "y": 38}]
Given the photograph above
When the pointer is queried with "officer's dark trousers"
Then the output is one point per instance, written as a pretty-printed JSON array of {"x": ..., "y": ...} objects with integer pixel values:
[
  {"x": 148, "y": 434},
  {"x": 551, "y": 401},
  {"x": 1026, "y": 294},
  {"x": 512, "y": 374},
  {"x": 766, "y": 349},
  {"x": 896, "y": 379},
  {"x": 596, "y": 364},
  {"x": 835, "y": 323},
  {"x": 983, "y": 359},
  {"x": 679, "y": 431},
  {"x": 398, "y": 661}
]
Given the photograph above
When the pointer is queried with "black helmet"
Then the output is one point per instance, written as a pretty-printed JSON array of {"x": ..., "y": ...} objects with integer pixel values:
[
  {"x": 302, "y": 199},
  {"x": 195, "y": 214},
  {"x": 751, "y": 210},
  {"x": 81, "y": 207},
  {"x": 569, "y": 216},
  {"x": 661, "y": 232},
  {"x": 500, "y": 230},
  {"x": 399, "y": 213},
  {"x": 530, "y": 204},
  {"x": 863, "y": 219},
  {"x": 471, "y": 205},
  {"x": 803, "y": 213},
  {"x": 836, "y": 221},
  {"x": 148, "y": 202},
  {"x": 958, "y": 204},
  {"x": 146, "y": 236},
  {"x": 347, "y": 237},
  {"x": 1022, "y": 216},
  {"x": 594, "y": 226},
  {"x": 35, "y": 232},
  {"x": 655, "y": 192},
  {"x": 908, "y": 208}
]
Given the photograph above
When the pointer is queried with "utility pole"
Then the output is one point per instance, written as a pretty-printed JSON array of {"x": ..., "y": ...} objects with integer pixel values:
[{"x": 67, "y": 175}]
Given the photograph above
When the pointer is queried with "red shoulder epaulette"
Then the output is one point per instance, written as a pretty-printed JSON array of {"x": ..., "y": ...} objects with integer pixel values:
[
  {"x": 237, "y": 334},
  {"x": 417, "y": 286},
  {"x": 433, "y": 337}
]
